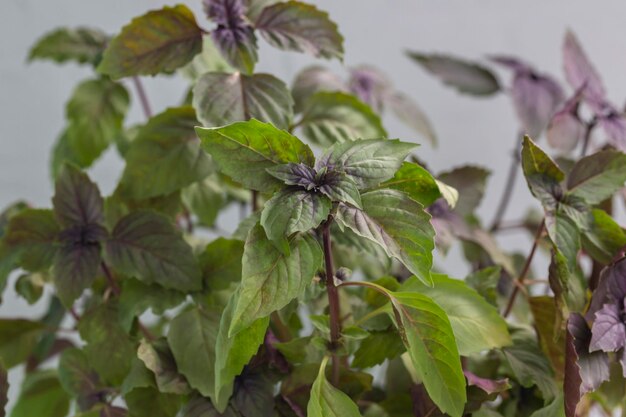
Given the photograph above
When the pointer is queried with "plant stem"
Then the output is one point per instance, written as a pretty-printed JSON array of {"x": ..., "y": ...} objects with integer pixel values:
[
  {"x": 333, "y": 299},
  {"x": 143, "y": 98},
  {"x": 110, "y": 279},
  {"x": 508, "y": 188},
  {"x": 587, "y": 138},
  {"x": 525, "y": 269},
  {"x": 255, "y": 201}
]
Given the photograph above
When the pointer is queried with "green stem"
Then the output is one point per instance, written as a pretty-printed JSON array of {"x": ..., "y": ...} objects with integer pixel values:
[{"x": 333, "y": 300}]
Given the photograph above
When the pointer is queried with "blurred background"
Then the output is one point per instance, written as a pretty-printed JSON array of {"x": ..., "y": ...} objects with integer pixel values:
[{"x": 479, "y": 131}]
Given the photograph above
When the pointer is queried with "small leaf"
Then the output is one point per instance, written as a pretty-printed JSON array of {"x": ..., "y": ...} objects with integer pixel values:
[
  {"x": 81, "y": 44},
  {"x": 77, "y": 200},
  {"x": 608, "y": 332},
  {"x": 542, "y": 173},
  {"x": 33, "y": 234},
  {"x": 293, "y": 210},
  {"x": 328, "y": 401},
  {"x": 367, "y": 162},
  {"x": 146, "y": 245},
  {"x": 399, "y": 225},
  {"x": 158, "y": 358},
  {"x": 18, "y": 338},
  {"x": 78, "y": 378},
  {"x": 429, "y": 340},
  {"x": 579, "y": 71},
  {"x": 205, "y": 199},
  {"x": 270, "y": 279},
  {"x": 476, "y": 324},
  {"x": 137, "y": 297},
  {"x": 192, "y": 337},
  {"x": 602, "y": 237},
  {"x": 221, "y": 263},
  {"x": 485, "y": 282},
  {"x": 467, "y": 77},
  {"x": 593, "y": 366},
  {"x": 416, "y": 182},
  {"x": 41, "y": 395},
  {"x": 158, "y": 42},
  {"x": 300, "y": 27},
  {"x": 30, "y": 286},
  {"x": 471, "y": 181},
  {"x": 165, "y": 156},
  {"x": 311, "y": 80},
  {"x": 340, "y": 188},
  {"x": 244, "y": 151},
  {"x": 223, "y": 98},
  {"x": 233, "y": 36},
  {"x": 411, "y": 114},
  {"x": 376, "y": 348},
  {"x": 597, "y": 177},
  {"x": 329, "y": 118}
]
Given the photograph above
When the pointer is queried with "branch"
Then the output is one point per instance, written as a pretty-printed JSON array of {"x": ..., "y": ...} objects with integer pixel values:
[
  {"x": 508, "y": 188},
  {"x": 143, "y": 98},
  {"x": 333, "y": 299}
]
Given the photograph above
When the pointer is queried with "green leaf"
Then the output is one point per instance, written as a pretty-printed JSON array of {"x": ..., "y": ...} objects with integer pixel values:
[
  {"x": 165, "y": 156},
  {"x": 30, "y": 286},
  {"x": 602, "y": 237},
  {"x": 159, "y": 41},
  {"x": 428, "y": 336},
  {"x": 74, "y": 269},
  {"x": 331, "y": 117},
  {"x": 416, "y": 182},
  {"x": 205, "y": 199},
  {"x": 149, "y": 402},
  {"x": 529, "y": 364},
  {"x": 18, "y": 338},
  {"x": 95, "y": 115},
  {"x": 485, "y": 283},
  {"x": 466, "y": 77},
  {"x": 77, "y": 200},
  {"x": 221, "y": 263},
  {"x": 367, "y": 162},
  {"x": 202, "y": 407},
  {"x": 77, "y": 377},
  {"x": 542, "y": 173},
  {"x": 223, "y": 98},
  {"x": 564, "y": 235},
  {"x": 146, "y": 245},
  {"x": 33, "y": 233},
  {"x": 244, "y": 150},
  {"x": 597, "y": 177},
  {"x": 300, "y": 27},
  {"x": 293, "y": 210},
  {"x": 328, "y": 401},
  {"x": 109, "y": 349},
  {"x": 41, "y": 395},
  {"x": 476, "y": 324},
  {"x": 137, "y": 297},
  {"x": 233, "y": 353},
  {"x": 192, "y": 336},
  {"x": 158, "y": 358},
  {"x": 312, "y": 79},
  {"x": 555, "y": 409},
  {"x": 81, "y": 44},
  {"x": 208, "y": 60},
  {"x": 270, "y": 279},
  {"x": 399, "y": 225},
  {"x": 471, "y": 181},
  {"x": 376, "y": 348}
]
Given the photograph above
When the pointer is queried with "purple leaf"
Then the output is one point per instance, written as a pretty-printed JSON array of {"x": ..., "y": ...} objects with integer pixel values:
[
  {"x": 370, "y": 85},
  {"x": 566, "y": 129},
  {"x": 490, "y": 386},
  {"x": 608, "y": 331},
  {"x": 572, "y": 382},
  {"x": 511, "y": 63},
  {"x": 579, "y": 70},
  {"x": 295, "y": 174},
  {"x": 594, "y": 366},
  {"x": 233, "y": 36},
  {"x": 614, "y": 125}
]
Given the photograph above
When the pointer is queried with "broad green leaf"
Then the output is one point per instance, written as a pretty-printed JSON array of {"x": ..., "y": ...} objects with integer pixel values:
[
  {"x": 221, "y": 263},
  {"x": 244, "y": 150},
  {"x": 564, "y": 235},
  {"x": 416, "y": 182},
  {"x": 149, "y": 402},
  {"x": 205, "y": 199},
  {"x": 485, "y": 283},
  {"x": 222, "y": 98},
  {"x": 270, "y": 279},
  {"x": 137, "y": 297},
  {"x": 328, "y": 401},
  {"x": 542, "y": 173},
  {"x": 95, "y": 115},
  {"x": 77, "y": 200},
  {"x": 18, "y": 338},
  {"x": 429, "y": 339},
  {"x": 192, "y": 336},
  {"x": 146, "y": 245},
  {"x": 74, "y": 269},
  {"x": 597, "y": 177},
  {"x": 547, "y": 320},
  {"x": 556, "y": 408},
  {"x": 602, "y": 237},
  {"x": 158, "y": 358},
  {"x": 331, "y": 117},
  {"x": 376, "y": 348},
  {"x": 77, "y": 377},
  {"x": 233, "y": 353},
  {"x": 165, "y": 156},
  {"x": 33, "y": 233},
  {"x": 529, "y": 364},
  {"x": 367, "y": 162},
  {"x": 159, "y": 41},
  {"x": 109, "y": 348},
  {"x": 81, "y": 44},
  {"x": 466, "y": 77},
  {"x": 293, "y": 210},
  {"x": 399, "y": 225},
  {"x": 471, "y": 181},
  {"x": 41, "y": 395},
  {"x": 202, "y": 407},
  {"x": 300, "y": 27},
  {"x": 476, "y": 324}
]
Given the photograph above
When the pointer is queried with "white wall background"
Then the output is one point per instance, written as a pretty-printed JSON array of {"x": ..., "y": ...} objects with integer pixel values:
[{"x": 477, "y": 131}]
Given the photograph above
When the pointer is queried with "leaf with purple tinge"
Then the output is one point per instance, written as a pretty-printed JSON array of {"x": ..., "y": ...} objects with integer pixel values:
[
  {"x": 370, "y": 85},
  {"x": 566, "y": 129},
  {"x": 490, "y": 386},
  {"x": 580, "y": 71},
  {"x": 608, "y": 332},
  {"x": 572, "y": 382},
  {"x": 234, "y": 36},
  {"x": 593, "y": 366},
  {"x": 614, "y": 125},
  {"x": 313, "y": 79}
]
